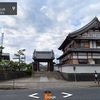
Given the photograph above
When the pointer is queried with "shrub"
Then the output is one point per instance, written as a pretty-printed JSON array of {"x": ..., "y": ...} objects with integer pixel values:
[{"x": 29, "y": 71}]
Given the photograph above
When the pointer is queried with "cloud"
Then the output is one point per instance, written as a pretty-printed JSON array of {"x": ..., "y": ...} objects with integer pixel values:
[
  {"x": 45, "y": 42},
  {"x": 43, "y": 25}
]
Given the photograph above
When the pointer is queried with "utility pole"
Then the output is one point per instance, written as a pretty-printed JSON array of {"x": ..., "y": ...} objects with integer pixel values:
[
  {"x": 2, "y": 39},
  {"x": 1, "y": 47},
  {"x": 74, "y": 68}
]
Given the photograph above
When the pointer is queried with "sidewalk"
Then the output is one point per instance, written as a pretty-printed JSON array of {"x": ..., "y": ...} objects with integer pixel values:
[{"x": 45, "y": 83}]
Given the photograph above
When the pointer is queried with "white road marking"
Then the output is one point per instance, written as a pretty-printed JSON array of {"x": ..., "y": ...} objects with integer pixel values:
[
  {"x": 34, "y": 96},
  {"x": 66, "y": 94}
]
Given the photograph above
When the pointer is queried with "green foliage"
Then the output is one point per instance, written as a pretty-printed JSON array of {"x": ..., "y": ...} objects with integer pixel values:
[
  {"x": 29, "y": 72},
  {"x": 7, "y": 65},
  {"x": 23, "y": 66},
  {"x": 29, "y": 69},
  {"x": 12, "y": 66},
  {"x": 29, "y": 66},
  {"x": 15, "y": 65},
  {"x": 1, "y": 47}
]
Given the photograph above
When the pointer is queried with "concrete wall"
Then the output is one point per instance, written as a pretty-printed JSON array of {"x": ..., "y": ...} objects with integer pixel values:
[{"x": 80, "y": 68}]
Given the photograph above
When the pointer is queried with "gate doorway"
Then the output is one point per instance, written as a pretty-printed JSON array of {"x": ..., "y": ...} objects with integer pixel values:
[{"x": 43, "y": 66}]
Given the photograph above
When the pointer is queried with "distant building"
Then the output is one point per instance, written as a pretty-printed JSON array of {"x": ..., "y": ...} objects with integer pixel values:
[
  {"x": 5, "y": 56},
  {"x": 81, "y": 51}
]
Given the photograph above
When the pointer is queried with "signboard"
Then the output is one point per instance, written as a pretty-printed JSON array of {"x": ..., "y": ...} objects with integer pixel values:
[{"x": 8, "y": 8}]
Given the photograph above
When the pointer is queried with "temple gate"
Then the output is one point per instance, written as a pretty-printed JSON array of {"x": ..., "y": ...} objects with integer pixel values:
[{"x": 43, "y": 56}]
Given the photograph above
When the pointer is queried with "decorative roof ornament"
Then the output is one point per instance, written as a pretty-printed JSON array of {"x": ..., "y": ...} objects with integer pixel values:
[{"x": 96, "y": 18}]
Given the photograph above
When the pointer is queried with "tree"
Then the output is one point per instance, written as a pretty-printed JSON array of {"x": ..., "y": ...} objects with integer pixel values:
[
  {"x": 5, "y": 64},
  {"x": 23, "y": 66},
  {"x": 9, "y": 65},
  {"x": 1, "y": 66}
]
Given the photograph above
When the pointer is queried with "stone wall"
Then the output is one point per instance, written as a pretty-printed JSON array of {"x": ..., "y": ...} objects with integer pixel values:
[{"x": 7, "y": 75}]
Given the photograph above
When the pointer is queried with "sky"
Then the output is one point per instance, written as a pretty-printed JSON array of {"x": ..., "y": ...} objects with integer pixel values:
[{"x": 44, "y": 24}]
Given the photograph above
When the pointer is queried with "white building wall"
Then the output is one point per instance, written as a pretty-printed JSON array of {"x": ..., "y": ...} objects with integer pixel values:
[
  {"x": 74, "y": 57},
  {"x": 80, "y": 69},
  {"x": 96, "y": 57},
  {"x": 82, "y": 57},
  {"x": 90, "y": 44},
  {"x": 85, "y": 57},
  {"x": 94, "y": 43}
]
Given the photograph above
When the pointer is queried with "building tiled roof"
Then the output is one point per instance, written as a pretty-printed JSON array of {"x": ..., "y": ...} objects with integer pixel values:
[
  {"x": 95, "y": 23},
  {"x": 5, "y": 56},
  {"x": 43, "y": 55},
  {"x": 88, "y": 26}
]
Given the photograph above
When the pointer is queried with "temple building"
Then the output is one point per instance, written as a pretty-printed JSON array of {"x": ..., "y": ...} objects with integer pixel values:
[{"x": 81, "y": 50}]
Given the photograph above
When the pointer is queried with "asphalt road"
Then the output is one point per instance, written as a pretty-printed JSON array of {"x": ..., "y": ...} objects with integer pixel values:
[{"x": 78, "y": 94}]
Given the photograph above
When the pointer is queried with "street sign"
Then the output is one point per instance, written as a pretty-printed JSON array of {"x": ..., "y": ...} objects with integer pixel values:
[
  {"x": 34, "y": 96},
  {"x": 66, "y": 95},
  {"x": 8, "y": 8}
]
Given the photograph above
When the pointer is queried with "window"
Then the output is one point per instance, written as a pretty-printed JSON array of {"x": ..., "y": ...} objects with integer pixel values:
[
  {"x": 97, "y": 61},
  {"x": 89, "y": 54},
  {"x": 69, "y": 56},
  {"x": 96, "y": 54},
  {"x": 74, "y": 54},
  {"x": 83, "y": 61},
  {"x": 82, "y": 54},
  {"x": 77, "y": 44},
  {"x": 98, "y": 43},
  {"x": 82, "y": 44},
  {"x": 87, "y": 45}
]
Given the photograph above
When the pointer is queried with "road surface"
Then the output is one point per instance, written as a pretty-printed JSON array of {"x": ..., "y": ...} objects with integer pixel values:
[{"x": 77, "y": 94}]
